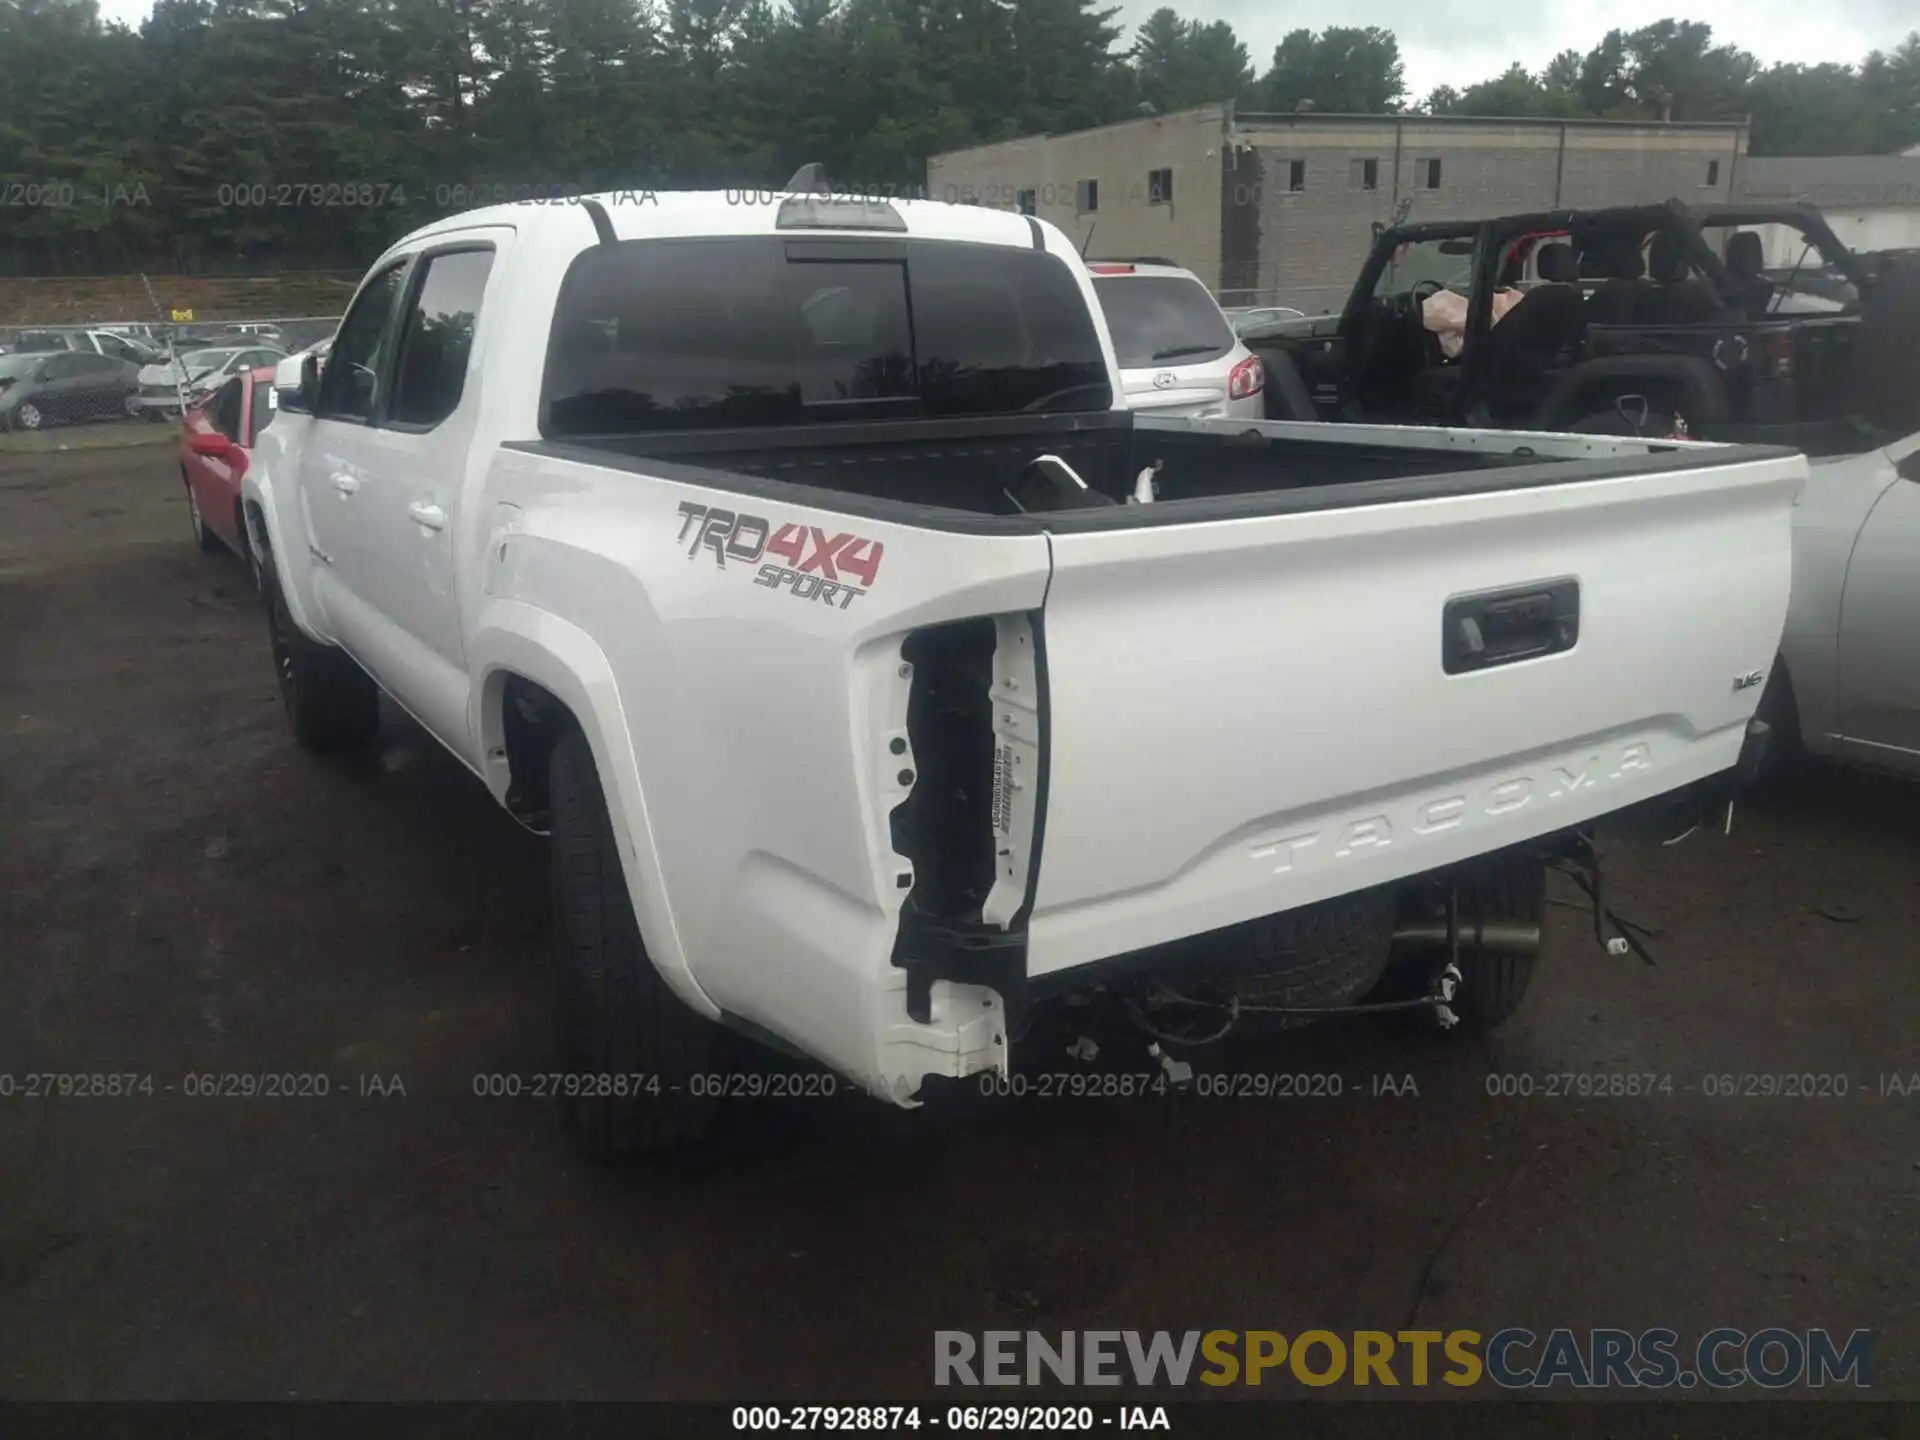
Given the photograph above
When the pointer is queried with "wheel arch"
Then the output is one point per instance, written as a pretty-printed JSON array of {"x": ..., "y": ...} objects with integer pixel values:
[{"x": 535, "y": 673}]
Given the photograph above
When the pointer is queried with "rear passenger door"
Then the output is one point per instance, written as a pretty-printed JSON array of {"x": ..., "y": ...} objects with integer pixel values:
[
  {"x": 60, "y": 386},
  {"x": 413, "y": 464}
]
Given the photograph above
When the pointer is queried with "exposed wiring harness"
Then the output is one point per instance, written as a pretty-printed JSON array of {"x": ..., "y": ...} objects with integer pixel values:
[
  {"x": 1583, "y": 868},
  {"x": 1232, "y": 1008}
]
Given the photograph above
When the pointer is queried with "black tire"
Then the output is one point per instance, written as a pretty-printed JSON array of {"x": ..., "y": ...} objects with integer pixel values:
[
  {"x": 1510, "y": 887},
  {"x": 613, "y": 1014},
  {"x": 247, "y": 552},
  {"x": 1785, "y": 754},
  {"x": 331, "y": 703},
  {"x": 1287, "y": 395},
  {"x": 205, "y": 539},
  {"x": 1317, "y": 956}
]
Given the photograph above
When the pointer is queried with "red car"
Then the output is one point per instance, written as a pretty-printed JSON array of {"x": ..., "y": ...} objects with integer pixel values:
[{"x": 216, "y": 444}]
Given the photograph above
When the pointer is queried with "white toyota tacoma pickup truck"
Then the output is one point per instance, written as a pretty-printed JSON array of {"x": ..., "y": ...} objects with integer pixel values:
[{"x": 879, "y": 677}]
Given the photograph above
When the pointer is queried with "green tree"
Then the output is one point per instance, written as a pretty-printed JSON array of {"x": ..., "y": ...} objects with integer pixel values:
[
  {"x": 1341, "y": 70},
  {"x": 1179, "y": 64}
]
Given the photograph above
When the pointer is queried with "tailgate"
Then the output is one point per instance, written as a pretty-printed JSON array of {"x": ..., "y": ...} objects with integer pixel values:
[
  {"x": 1195, "y": 393},
  {"x": 1252, "y": 714}
]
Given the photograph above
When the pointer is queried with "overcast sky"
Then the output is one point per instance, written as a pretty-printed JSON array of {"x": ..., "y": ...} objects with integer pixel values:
[
  {"x": 1456, "y": 42},
  {"x": 1460, "y": 41}
]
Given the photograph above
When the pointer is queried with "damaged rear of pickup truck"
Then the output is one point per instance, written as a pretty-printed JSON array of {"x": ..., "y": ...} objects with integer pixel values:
[{"x": 881, "y": 680}]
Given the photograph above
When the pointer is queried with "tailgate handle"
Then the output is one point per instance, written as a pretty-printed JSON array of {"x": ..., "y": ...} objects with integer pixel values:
[{"x": 1499, "y": 627}]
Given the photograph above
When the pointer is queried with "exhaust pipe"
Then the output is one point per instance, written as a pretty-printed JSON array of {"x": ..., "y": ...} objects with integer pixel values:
[{"x": 1517, "y": 938}]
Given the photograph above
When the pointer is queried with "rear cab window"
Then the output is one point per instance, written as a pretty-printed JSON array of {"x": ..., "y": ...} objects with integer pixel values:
[
  {"x": 1162, "y": 320},
  {"x": 653, "y": 335}
]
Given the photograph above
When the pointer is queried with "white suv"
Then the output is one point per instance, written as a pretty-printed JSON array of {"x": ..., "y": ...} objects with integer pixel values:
[{"x": 1177, "y": 353}]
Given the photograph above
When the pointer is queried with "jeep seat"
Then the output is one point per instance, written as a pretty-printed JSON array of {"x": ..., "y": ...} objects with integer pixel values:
[
  {"x": 1617, "y": 264},
  {"x": 1747, "y": 260},
  {"x": 1676, "y": 297},
  {"x": 1539, "y": 334}
]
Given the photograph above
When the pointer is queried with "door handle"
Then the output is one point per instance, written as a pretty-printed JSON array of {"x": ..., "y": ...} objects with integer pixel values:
[
  {"x": 423, "y": 512},
  {"x": 1499, "y": 627},
  {"x": 346, "y": 484}
]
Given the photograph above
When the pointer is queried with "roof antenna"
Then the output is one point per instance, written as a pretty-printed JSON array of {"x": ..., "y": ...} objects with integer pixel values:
[{"x": 810, "y": 179}]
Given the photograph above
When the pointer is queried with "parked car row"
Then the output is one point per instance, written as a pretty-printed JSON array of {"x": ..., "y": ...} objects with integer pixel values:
[
  {"x": 196, "y": 374},
  {"x": 42, "y": 388}
]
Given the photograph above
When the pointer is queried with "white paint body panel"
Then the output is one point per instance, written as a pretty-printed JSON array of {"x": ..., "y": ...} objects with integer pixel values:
[
  {"x": 1213, "y": 690},
  {"x": 1852, "y": 645},
  {"x": 1250, "y": 715}
]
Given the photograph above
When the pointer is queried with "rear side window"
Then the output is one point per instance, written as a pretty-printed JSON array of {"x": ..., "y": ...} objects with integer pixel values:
[
  {"x": 224, "y": 412},
  {"x": 656, "y": 335},
  {"x": 439, "y": 337},
  {"x": 1162, "y": 320}
]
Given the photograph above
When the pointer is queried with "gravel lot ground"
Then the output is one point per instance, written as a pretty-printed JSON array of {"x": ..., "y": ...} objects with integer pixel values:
[{"x": 184, "y": 892}]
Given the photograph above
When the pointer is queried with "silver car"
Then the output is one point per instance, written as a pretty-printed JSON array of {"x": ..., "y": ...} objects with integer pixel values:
[
  {"x": 199, "y": 373},
  {"x": 1177, "y": 353},
  {"x": 1248, "y": 317}
]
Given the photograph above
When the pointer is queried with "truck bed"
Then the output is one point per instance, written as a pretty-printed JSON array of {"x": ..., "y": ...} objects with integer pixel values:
[
  {"x": 1329, "y": 658},
  {"x": 968, "y": 465}
]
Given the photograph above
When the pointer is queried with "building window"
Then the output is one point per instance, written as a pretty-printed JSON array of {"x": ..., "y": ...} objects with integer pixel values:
[
  {"x": 1296, "y": 175},
  {"x": 1086, "y": 196},
  {"x": 1364, "y": 174},
  {"x": 1713, "y": 172},
  {"x": 1430, "y": 174},
  {"x": 1160, "y": 186},
  {"x": 1023, "y": 201}
]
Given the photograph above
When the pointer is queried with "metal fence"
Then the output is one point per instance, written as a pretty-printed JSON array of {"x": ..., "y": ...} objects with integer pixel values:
[{"x": 135, "y": 371}]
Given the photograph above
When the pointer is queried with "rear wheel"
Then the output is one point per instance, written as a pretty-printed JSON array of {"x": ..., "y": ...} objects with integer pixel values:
[
  {"x": 202, "y": 536},
  {"x": 331, "y": 703},
  {"x": 28, "y": 416},
  {"x": 630, "y": 1048},
  {"x": 1785, "y": 752}
]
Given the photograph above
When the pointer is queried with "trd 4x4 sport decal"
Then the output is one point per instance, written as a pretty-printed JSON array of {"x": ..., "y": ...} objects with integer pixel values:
[{"x": 829, "y": 568}]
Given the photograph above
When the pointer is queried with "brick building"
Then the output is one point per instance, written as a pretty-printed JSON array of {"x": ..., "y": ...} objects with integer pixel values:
[
  {"x": 1283, "y": 207},
  {"x": 1871, "y": 201}
]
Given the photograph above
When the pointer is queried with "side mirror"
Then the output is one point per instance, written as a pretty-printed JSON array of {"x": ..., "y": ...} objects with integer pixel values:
[
  {"x": 212, "y": 444},
  {"x": 310, "y": 384}
]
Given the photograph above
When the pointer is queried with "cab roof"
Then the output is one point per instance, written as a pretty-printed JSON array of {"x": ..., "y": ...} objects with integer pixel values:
[{"x": 648, "y": 214}]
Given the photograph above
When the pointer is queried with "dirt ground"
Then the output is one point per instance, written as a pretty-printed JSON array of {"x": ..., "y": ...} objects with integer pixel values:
[{"x": 184, "y": 892}]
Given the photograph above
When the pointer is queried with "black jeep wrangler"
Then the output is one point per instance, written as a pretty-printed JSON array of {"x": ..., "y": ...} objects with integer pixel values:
[{"x": 1652, "y": 320}]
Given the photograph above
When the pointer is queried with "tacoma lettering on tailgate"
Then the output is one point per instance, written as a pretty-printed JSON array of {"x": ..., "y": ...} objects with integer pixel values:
[
  {"x": 1368, "y": 834},
  {"x": 819, "y": 566}
]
